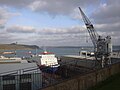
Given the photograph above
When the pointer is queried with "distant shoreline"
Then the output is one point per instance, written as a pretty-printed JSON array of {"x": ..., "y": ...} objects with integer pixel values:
[
  {"x": 75, "y": 46},
  {"x": 17, "y": 47}
]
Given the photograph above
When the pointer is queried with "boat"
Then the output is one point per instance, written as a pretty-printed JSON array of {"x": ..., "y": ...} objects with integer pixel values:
[
  {"x": 11, "y": 60},
  {"x": 8, "y": 52},
  {"x": 47, "y": 61}
]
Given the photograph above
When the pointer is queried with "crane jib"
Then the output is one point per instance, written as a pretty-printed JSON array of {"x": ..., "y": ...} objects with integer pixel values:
[
  {"x": 89, "y": 25},
  {"x": 102, "y": 46}
]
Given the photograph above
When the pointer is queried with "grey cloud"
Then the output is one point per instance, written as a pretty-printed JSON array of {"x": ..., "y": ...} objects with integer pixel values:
[
  {"x": 20, "y": 29},
  {"x": 15, "y": 3},
  {"x": 58, "y": 7},
  {"x": 61, "y": 39},
  {"x": 44, "y": 39},
  {"x": 77, "y": 34},
  {"x": 64, "y": 36},
  {"x": 5, "y": 38},
  {"x": 106, "y": 18},
  {"x": 53, "y": 7},
  {"x": 108, "y": 12},
  {"x": 70, "y": 30},
  {"x": 111, "y": 27}
]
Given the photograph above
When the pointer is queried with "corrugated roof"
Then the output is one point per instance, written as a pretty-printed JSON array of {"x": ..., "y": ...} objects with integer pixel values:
[{"x": 10, "y": 68}]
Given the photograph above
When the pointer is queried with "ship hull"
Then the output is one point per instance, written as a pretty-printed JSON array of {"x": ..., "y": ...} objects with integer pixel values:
[{"x": 49, "y": 69}]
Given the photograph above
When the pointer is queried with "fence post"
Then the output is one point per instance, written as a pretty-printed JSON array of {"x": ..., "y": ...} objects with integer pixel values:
[
  {"x": 1, "y": 83},
  {"x": 17, "y": 82}
]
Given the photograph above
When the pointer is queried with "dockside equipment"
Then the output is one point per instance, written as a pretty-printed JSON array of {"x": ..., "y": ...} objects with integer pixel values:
[{"x": 102, "y": 46}]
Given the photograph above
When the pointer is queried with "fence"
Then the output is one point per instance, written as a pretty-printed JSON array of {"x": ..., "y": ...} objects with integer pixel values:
[{"x": 83, "y": 82}]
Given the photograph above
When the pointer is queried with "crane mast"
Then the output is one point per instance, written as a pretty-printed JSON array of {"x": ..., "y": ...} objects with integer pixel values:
[
  {"x": 102, "y": 46},
  {"x": 92, "y": 32}
]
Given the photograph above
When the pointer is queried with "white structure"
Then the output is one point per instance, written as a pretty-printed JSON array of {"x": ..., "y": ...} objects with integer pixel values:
[
  {"x": 86, "y": 54},
  {"x": 46, "y": 59},
  {"x": 18, "y": 74},
  {"x": 6, "y": 60}
]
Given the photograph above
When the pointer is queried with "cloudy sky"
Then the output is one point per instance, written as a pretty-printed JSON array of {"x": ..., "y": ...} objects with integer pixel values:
[{"x": 57, "y": 22}]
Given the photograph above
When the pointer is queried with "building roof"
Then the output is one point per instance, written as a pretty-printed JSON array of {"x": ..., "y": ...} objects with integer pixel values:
[{"x": 19, "y": 68}]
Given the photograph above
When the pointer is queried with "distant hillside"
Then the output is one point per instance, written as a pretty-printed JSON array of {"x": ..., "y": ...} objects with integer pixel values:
[{"x": 17, "y": 46}]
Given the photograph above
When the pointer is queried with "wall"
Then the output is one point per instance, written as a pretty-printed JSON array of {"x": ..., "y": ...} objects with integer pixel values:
[
  {"x": 81, "y": 62},
  {"x": 87, "y": 80}
]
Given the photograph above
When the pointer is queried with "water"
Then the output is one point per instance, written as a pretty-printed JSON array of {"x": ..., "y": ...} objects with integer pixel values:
[{"x": 59, "y": 51}]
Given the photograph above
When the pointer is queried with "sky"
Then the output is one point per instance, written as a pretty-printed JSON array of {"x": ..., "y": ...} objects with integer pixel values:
[{"x": 57, "y": 22}]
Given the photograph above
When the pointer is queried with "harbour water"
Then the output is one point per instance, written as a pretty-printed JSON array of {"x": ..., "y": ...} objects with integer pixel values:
[{"x": 59, "y": 51}]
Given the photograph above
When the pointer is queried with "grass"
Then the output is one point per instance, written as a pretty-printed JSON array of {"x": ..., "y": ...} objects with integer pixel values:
[{"x": 112, "y": 83}]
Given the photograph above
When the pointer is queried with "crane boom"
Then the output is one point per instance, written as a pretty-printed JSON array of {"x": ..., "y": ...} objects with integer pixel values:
[
  {"x": 102, "y": 46},
  {"x": 92, "y": 32}
]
